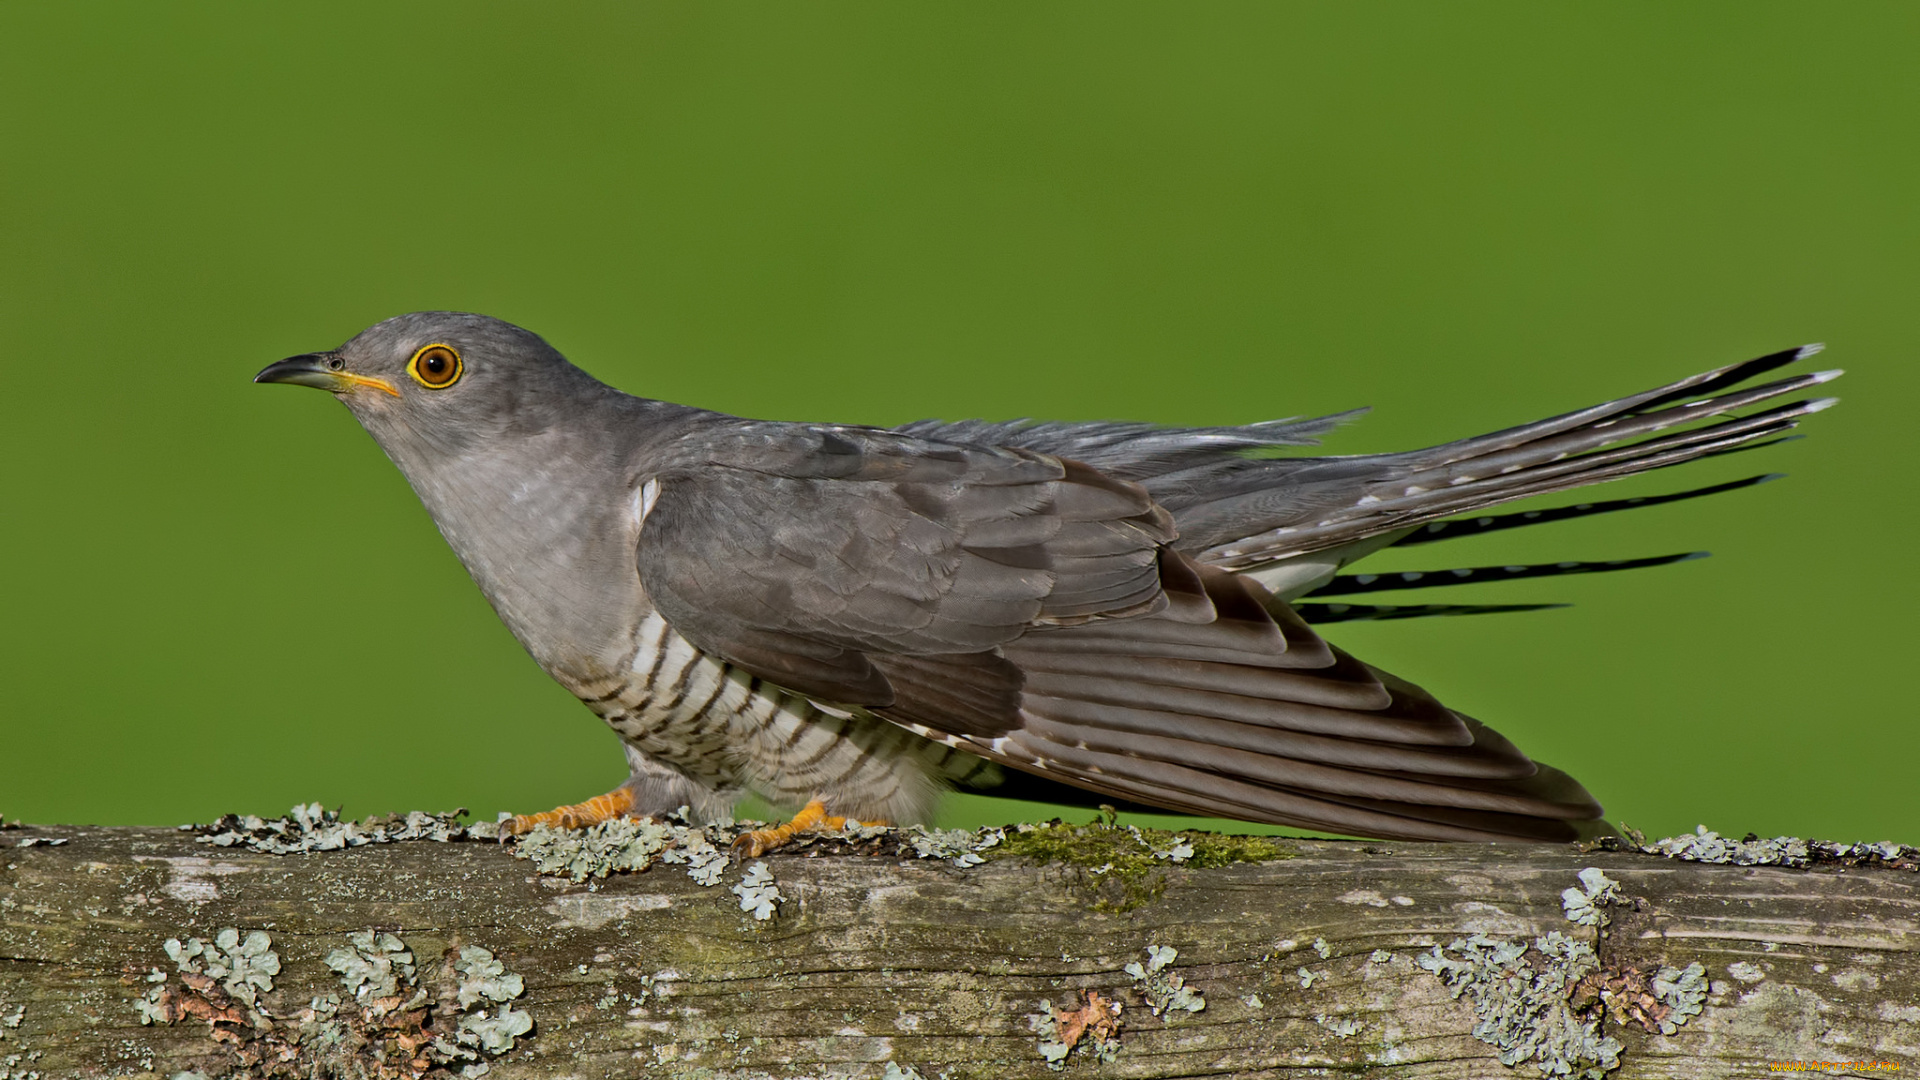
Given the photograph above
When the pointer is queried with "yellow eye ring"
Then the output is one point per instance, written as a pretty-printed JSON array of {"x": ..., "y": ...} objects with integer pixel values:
[{"x": 436, "y": 366}]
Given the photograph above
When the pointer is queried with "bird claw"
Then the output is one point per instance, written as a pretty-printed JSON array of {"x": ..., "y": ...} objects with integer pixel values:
[
  {"x": 812, "y": 817},
  {"x": 615, "y": 803}
]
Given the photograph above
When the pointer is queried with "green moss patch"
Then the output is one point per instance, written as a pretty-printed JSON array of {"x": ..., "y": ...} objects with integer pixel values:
[{"x": 1124, "y": 867}]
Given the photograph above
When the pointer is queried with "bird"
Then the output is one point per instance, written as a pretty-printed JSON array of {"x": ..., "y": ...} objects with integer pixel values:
[{"x": 852, "y": 620}]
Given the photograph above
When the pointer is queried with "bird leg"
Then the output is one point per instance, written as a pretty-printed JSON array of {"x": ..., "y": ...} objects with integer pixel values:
[
  {"x": 615, "y": 803},
  {"x": 812, "y": 817}
]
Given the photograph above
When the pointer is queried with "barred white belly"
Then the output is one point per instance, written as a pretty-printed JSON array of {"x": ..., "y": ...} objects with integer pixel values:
[{"x": 725, "y": 729}]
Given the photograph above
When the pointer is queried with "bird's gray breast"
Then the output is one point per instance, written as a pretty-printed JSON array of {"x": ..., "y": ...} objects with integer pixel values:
[{"x": 549, "y": 533}]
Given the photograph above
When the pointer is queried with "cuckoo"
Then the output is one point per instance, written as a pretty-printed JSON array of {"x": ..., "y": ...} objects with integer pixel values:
[{"x": 851, "y": 620}]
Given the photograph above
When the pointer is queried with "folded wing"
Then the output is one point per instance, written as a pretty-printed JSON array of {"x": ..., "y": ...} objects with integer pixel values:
[{"x": 1033, "y": 611}]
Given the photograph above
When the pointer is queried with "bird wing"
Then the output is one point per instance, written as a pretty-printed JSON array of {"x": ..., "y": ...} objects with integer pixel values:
[
  {"x": 1031, "y": 610},
  {"x": 800, "y": 552}
]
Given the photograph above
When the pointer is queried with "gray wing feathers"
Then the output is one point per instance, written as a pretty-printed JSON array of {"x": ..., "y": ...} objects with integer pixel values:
[
  {"x": 1277, "y": 727},
  {"x": 873, "y": 543}
]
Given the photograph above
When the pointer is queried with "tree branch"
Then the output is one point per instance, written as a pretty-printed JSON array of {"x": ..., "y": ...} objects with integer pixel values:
[{"x": 1322, "y": 958}]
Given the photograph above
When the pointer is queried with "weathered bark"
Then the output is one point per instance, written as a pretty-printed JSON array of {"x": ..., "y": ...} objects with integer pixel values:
[{"x": 937, "y": 968}]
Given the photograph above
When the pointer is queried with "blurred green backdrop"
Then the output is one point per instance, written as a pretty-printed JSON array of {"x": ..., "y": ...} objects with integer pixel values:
[{"x": 220, "y": 597}]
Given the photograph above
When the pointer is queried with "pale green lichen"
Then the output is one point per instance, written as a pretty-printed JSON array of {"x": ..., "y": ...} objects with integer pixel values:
[
  {"x": 623, "y": 845},
  {"x": 961, "y": 847},
  {"x": 1379, "y": 956},
  {"x": 484, "y": 978},
  {"x": 11, "y": 1017},
  {"x": 152, "y": 1006},
  {"x": 1173, "y": 849},
  {"x": 1587, "y": 905},
  {"x": 895, "y": 1072},
  {"x": 394, "y": 1012},
  {"x": 1683, "y": 991},
  {"x": 378, "y": 969},
  {"x": 1705, "y": 845},
  {"x": 375, "y": 966},
  {"x": 758, "y": 893},
  {"x": 1164, "y": 990},
  {"x": 1521, "y": 1001},
  {"x": 495, "y": 1034},
  {"x": 1343, "y": 1027},
  {"x": 313, "y": 827},
  {"x": 705, "y": 863},
  {"x": 244, "y": 967},
  {"x": 1052, "y": 1048}
]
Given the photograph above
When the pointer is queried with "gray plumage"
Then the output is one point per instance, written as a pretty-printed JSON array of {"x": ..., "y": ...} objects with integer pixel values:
[{"x": 868, "y": 616}]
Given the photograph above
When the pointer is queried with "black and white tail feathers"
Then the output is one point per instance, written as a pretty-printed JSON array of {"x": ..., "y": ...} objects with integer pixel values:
[{"x": 1385, "y": 493}]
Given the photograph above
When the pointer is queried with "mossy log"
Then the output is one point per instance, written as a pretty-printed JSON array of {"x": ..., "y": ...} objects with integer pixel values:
[{"x": 892, "y": 966}]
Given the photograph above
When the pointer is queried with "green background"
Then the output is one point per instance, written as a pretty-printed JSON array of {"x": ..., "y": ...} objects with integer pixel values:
[{"x": 220, "y": 597}]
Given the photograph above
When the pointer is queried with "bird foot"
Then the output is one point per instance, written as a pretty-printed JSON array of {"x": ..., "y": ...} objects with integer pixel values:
[
  {"x": 615, "y": 803},
  {"x": 812, "y": 817}
]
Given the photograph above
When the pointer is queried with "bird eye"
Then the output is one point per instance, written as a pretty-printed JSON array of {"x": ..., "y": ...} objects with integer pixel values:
[{"x": 435, "y": 367}]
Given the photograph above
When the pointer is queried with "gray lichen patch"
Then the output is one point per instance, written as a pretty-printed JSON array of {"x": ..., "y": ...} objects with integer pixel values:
[
  {"x": 1520, "y": 997},
  {"x": 1165, "y": 990},
  {"x": 1342, "y": 1027},
  {"x": 393, "y": 1025},
  {"x": 313, "y": 827},
  {"x": 1587, "y": 904},
  {"x": 373, "y": 966},
  {"x": 243, "y": 967},
  {"x": 960, "y": 847},
  {"x": 623, "y": 844},
  {"x": 1706, "y": 846},
  {"x": 758, "y": 893},
  {"x": 20, "y": 1066},
  {"x": 485, "y": 980},
  {"x": 1682, "y": 990}
]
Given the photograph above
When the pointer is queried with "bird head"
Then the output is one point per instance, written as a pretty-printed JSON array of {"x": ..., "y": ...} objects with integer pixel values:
[{"x": 438, "y": 383}]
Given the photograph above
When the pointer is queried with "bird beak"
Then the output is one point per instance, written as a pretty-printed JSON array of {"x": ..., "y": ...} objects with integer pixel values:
[{"x": 321, "y": 371}]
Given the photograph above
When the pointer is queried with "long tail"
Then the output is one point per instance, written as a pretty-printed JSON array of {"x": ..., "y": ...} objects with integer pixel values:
[
  {"x": 1453, "y": 528},
  {"x": 1391, "y": 492}
]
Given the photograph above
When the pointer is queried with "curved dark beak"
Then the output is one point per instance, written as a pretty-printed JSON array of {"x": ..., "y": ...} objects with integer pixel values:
[
  {"x": 322, "y": 371},
  {"x": 309, "y": 369}
]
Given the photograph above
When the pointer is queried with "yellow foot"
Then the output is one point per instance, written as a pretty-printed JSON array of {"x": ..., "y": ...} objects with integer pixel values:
[
  {"x": 615, "y": 803},
  {"x": 811, "y": 818}
]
